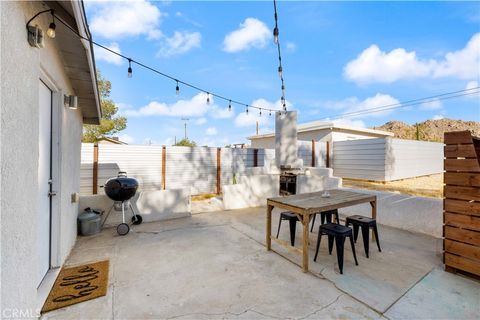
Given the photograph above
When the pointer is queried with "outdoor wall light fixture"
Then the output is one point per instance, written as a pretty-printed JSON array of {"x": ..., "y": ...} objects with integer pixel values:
[
  {"x": 70, "y": 102},
  {"x": 35, "y": 34}
]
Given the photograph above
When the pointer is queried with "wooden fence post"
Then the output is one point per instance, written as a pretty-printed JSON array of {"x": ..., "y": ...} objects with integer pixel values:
[
  {"x": 95, "y": 169},
  {"x": 313, "y": 153},
  {"x": 327, "y": 156},
  {"x": 164, "y": 167},
  {"x": 255, "y": 157},
  {"x": 219, "y": 169}
]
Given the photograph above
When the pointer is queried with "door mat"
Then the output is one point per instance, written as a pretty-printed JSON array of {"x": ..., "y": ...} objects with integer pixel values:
[{"x": 78, "y": 284}]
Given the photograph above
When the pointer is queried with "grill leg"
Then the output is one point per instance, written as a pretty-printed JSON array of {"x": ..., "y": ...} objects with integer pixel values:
[{"x": 123, "y": 212}]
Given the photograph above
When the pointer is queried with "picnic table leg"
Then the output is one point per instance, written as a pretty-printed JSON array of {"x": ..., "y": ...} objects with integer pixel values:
[
  {"x": 306, "y": 227},
  {"x": 268, "y": 232},
  {"x": 374, "y": 215}
]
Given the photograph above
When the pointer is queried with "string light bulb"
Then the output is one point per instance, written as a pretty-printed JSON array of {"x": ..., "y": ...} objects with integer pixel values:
[
  {"x": 229, "y": 105},
  {"x": 130, "y": 68},
  {"x": 208, "y": 97},
  {"x": 280, "y": 72},
  {"x": 52, "y": 27},
  {"x": 283, "y": 89},
  {"x": 270, "y": 113},
  {"x": 246, "y": 109},
  {"x": 177, "y": 89},
  {"x": 260, "y": 112},
  {"x": 275, "y": 35}
]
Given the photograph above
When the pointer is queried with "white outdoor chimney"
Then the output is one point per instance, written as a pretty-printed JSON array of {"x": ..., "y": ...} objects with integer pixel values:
[{"x": 286, "y": 140}]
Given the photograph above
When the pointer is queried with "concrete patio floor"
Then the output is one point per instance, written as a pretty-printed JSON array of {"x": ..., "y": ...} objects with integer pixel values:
[{"x": 215, "y": 266}]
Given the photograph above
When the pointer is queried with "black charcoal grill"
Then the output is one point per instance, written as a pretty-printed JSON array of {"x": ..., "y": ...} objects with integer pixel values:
[{"x": 121, "y": 189}]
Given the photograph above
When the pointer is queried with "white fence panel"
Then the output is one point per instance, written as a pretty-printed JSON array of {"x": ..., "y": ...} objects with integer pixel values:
[
  {"x": 409, "y": 158},
  {"x": 359, "y": 159},
  {"x": 192, "y": 167},
  {"x": 386, "y": 159},
  {"x": 86, "y": 169}
]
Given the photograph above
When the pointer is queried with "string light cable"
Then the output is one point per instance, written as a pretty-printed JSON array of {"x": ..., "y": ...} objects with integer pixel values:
[
  {"x": 132, "y": 61},
  {"x": 408, "y": 103},
  {"x": 443, "y": 96},
  {"x": 276, "y": 40}
]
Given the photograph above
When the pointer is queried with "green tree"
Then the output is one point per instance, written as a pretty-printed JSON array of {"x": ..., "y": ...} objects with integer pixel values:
[
  {"x": 185, "y": 143},
  {"x": 110, "y": 124}
]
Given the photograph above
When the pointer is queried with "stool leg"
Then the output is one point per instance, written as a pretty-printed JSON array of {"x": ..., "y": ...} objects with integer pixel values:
[
  {"x": 279, "y": 225},
  {"x": 322, "y": 218},
  {"x": 355, "y": 232},
  {"x": 313, "y": 222},
  {"x": 319, "y": 238},
  {"x": 328, "y": 216},
  {"x": 330, "y": 244},
  {"x": 293, "y": 229},
  {"x": 366, "y": 237},
  {"x": 340, "y": 242},
  {"x": 375, "y": 231},
  {"x": 336, "y": 216},
  {"x": 353, "y": 250}
]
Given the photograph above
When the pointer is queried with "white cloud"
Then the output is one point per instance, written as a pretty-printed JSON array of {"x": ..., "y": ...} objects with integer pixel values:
[
  {"x": 353, "y": 104},
  {"x": 252, "y": 33},
  {"x": 374, "y": 65},
  {"x": 291, "y": 46},
  {"x": 212, "y": 131},
  {"x": 114, "y": 20},
  {"x": 434, "y": 104},
  {"x": 437, "y": 117},
  {"x": 195, "y": 107},
  {"x": 201, "y": 121},
  {"x": 180, "y": 42},
  {"x": 355, "y": 123},
  {"x": 105, "y": 55},
  {"x": 471, "y": 85},
  {"x": 126, "y": 138},
  {"x": 244, "y": 120}
]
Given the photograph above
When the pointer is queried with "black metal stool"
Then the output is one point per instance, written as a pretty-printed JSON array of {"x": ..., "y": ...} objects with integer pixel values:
[
  {"x": 365, "y": 223},
  {"x": 292, "y": 220},
  {"x": 326, "y": 215},
  {"x": 338, "y": 233}
]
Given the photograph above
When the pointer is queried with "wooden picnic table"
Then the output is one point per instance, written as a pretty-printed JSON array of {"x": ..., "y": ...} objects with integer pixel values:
[{"x": 306, "y": 204}]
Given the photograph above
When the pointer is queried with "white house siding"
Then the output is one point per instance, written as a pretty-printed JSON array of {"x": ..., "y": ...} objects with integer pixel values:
[{"x": 20, "y": 73}]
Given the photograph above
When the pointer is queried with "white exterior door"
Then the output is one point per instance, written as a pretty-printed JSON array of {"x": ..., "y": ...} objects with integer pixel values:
[{"x": 44, "y": 181}]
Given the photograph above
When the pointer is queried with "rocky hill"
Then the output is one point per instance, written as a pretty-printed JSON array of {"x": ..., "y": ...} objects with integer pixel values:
[{"x": 430, "y": 130}]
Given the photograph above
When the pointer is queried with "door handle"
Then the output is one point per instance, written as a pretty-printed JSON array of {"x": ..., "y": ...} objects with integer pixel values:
[{"x": 52, "y": 193}]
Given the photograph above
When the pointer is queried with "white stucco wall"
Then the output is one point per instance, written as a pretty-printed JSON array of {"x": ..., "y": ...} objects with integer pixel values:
[{"x": 21, "y": 67}]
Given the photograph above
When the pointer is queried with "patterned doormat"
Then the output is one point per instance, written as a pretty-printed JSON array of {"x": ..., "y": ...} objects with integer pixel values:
[{"x": 78, "y": 284}]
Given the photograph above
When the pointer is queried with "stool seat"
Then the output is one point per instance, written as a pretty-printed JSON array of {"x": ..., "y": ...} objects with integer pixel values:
[
  {"x": 292, "y": 220},
  {"x": 365, "y": 223},
  {"x": 288, "y": 215},
  {"x": 334, "y": 229},
  {"x": 336, "y": 233},
  {"x": 361, "y": 219}
]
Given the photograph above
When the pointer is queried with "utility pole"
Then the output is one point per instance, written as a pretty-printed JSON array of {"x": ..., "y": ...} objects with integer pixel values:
[
  {"x": 185, "y": 124},
  {"x": 257, "y": 127}
]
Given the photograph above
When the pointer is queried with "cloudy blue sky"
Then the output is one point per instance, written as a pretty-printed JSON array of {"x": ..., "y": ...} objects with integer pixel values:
[{"x": 338, "y": 57}]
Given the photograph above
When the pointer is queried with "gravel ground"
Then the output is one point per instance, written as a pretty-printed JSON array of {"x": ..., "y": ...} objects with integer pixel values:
[{"x": 428, "y": 186}]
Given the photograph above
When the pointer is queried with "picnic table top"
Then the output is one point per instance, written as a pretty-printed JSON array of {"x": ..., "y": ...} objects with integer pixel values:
[{"x": 314, "y": 202}]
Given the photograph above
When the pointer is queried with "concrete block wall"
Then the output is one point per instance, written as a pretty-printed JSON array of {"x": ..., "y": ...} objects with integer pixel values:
[
  {"x": 154, "y": 205},
  {"x": 252, "y": 191}
]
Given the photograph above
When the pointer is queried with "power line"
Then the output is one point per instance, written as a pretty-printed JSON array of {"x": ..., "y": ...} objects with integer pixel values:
[
  {"x": 408, "y": 103},
  {"x": 176, "y": 80}
]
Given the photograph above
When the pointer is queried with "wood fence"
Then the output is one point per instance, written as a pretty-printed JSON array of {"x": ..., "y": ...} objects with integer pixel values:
[{"x": 461, "y": 216}]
